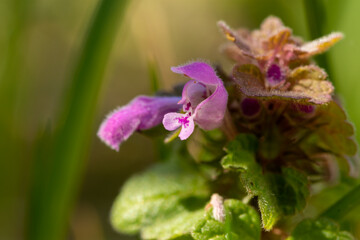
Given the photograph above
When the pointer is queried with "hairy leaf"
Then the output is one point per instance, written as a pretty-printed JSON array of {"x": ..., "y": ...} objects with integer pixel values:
[
  {"x": 321, "y": 229},
  {"x": 241, "y": 156},
  {"x": 241, "y": 222},
  {"x": 305, "y": 91},
  {"x": 178, "y": 225},
  {"x": 233, "y": 37},
  {"x": 278, "y": 194},
  {"x": 318, "y": 46},
  {"x": 318, "y": 91},
  {"x": 278, "y": 39},
  {"x": 291, "y": 190},
  {"x": 168, "y": 196},
  {"x": 307, "y": 72}
]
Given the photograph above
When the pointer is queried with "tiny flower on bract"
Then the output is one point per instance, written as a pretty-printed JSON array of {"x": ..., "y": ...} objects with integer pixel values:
[
  {"x": 204, "y": 100},
  {"x": 274, "y": 75},
  {"x": 140, "y": 114}
]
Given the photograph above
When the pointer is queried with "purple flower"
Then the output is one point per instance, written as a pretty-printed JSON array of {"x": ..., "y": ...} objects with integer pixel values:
[
  {"x": 140, "y": 114},
  {"x": 304, "y": 108},
  {"x": 250, "y": 107},
  {"x": 274, "y": 75},
  {"x": 204, "y": 100}
]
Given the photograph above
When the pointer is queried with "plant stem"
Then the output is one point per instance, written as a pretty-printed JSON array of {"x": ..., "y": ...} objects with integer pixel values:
[
  {"x": 342, "y": 207},
  {"x": 55, "y": 187}
]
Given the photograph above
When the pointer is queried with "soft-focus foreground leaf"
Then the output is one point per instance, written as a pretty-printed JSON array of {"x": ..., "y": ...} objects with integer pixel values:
[
  {"x": 53, "y": 192},
  {"x": 241, "y": 222},
  {"x": 174, "y": 227},
  {"x": 321, "y": 229},
  {"x": 278, "y": 193},
  {"x": 162, "y": 203}
]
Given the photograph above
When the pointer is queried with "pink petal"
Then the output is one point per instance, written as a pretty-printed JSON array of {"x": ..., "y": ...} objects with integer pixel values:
[
  {"x": 140, "y": 114},
  {"x": 187, "y": 130},
  {"x": 210, "y": 113},
  {"x": 199, "y": 71},
  {"x": 171, "y": 122},
  {"x": 193, "y": 92},
  {"x": 112, "y": 133}
]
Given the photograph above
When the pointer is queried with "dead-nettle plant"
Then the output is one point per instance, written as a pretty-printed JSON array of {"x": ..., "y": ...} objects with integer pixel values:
[{"x": 254, "y": 143}]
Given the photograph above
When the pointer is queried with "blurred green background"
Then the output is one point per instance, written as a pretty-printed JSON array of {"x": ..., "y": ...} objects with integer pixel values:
[{"x": 65, "y": 64}]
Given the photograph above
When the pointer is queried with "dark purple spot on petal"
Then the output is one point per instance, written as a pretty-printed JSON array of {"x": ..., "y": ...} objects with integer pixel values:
[
  {"x": 188, "y": 105},
  {"x": 183, "y": 121},
  {"x": 250, "y": 106},
  {"x": 274, "y": 74}
]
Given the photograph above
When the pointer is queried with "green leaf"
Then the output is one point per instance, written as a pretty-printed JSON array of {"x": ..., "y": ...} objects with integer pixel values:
[
  {"x": 272, "y": 143},
  {"x": 241, "y": 222},
  {"x": 321, "y": 229},
  {"x": 241, "y": 156},
  {"x": 173, "y": 227},
  {"x": 163, "y": 202},
  {"x": 278, "y": 194},
  {"x": 291, "y": 190}
]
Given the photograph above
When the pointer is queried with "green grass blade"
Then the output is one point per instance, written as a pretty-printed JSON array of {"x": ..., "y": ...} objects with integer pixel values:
[
  {"x": 344, "y": 206},
  {"x": 10, "y": 142},
  {"x": 154, "y": 75},
  {"x": 54, "y": 192}
]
